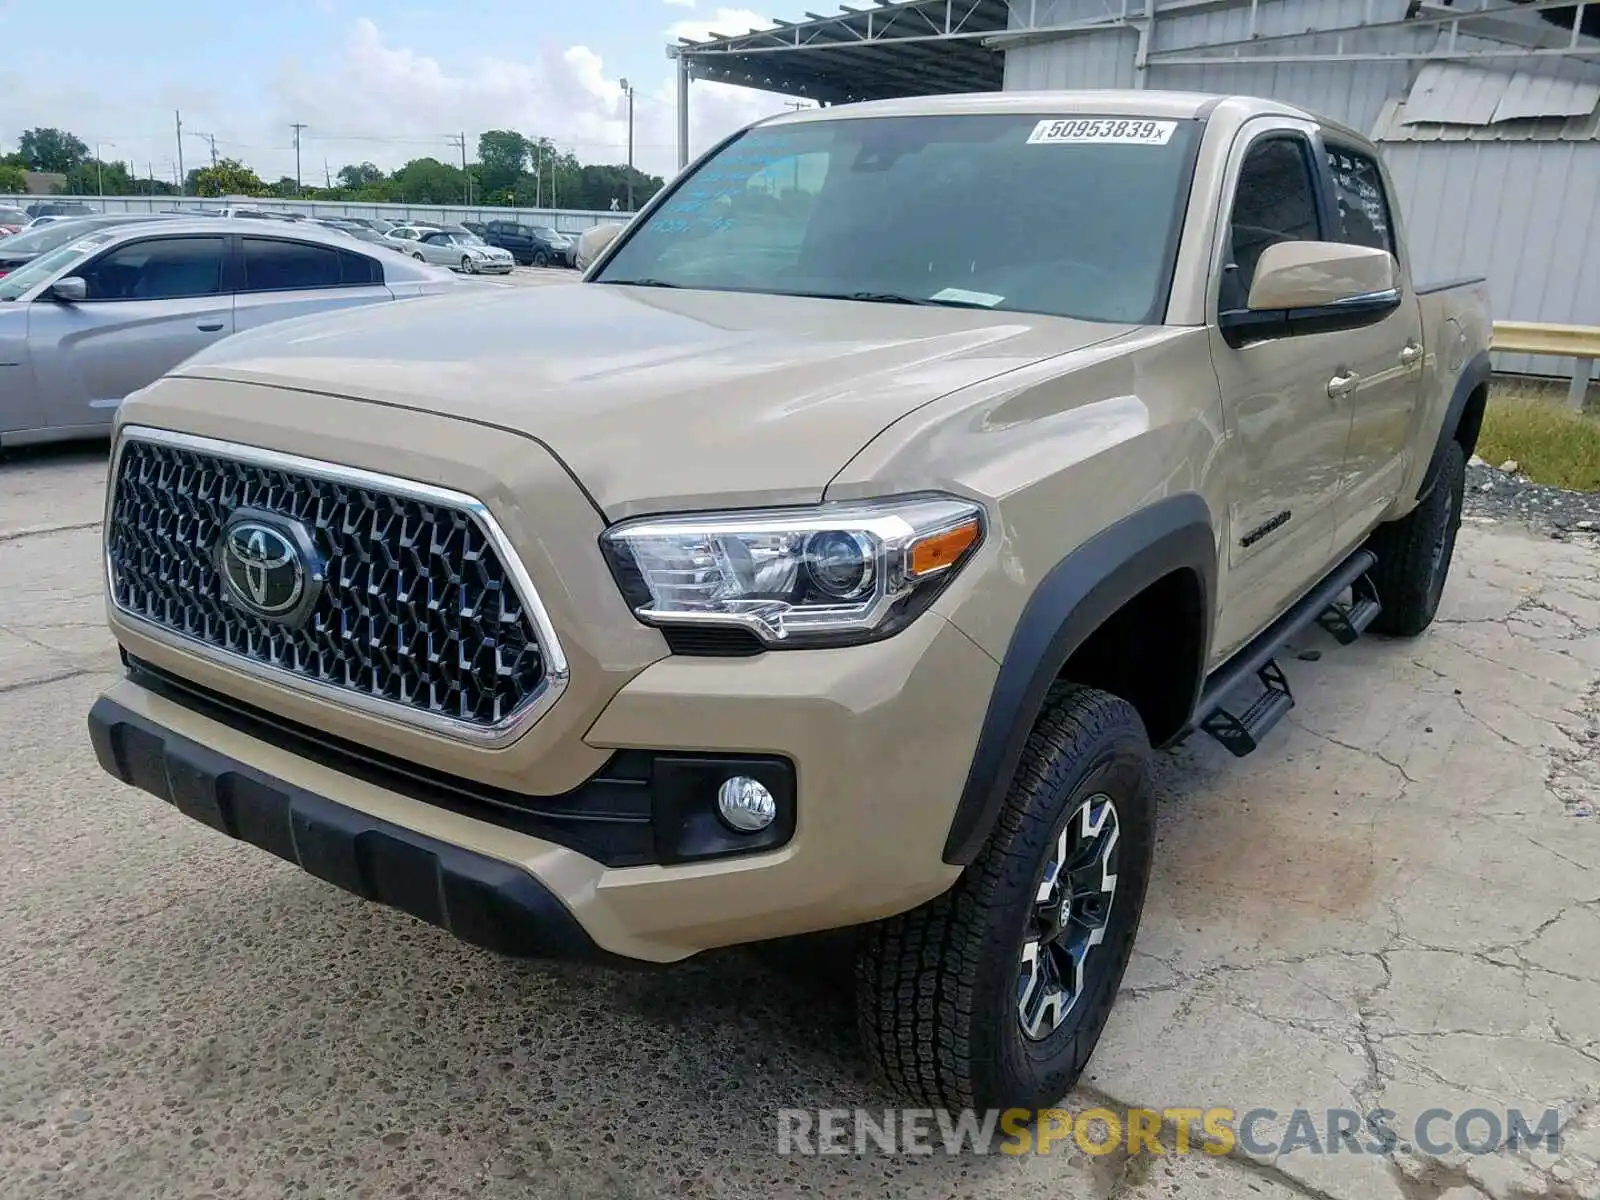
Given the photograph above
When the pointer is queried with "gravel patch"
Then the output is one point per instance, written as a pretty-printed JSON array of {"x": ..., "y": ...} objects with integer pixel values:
[{"x": 1496, "y": 495}]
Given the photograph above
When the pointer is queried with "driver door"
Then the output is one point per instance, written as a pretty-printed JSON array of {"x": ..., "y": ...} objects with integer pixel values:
[
  {"x": 151, "y": 303},
  {"x": 1286, "y": 433}
]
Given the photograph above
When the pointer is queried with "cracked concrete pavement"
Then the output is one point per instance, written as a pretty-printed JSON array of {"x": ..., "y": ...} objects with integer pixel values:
[{"x": 1394, "y": 904}]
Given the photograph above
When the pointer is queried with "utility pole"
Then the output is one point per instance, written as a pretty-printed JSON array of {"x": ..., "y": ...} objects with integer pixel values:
[
  {"x": 627, "y": 88},
  {"x": 327, "y": 175},
  {"x": 459, "y": 140},
  {"x": 178, "y": 117},
  {"x": 297, "y": 127}
]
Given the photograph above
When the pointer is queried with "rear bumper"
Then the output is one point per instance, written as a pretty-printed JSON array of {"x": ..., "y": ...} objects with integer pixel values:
[{"x": 479, "y": 899}]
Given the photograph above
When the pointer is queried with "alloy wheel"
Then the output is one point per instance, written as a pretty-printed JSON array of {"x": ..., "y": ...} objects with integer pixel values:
[{"x": 1068, "y": 919}]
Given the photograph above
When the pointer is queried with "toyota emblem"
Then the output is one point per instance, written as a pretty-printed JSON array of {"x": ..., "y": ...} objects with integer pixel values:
[{"x": 268, "y": 566}]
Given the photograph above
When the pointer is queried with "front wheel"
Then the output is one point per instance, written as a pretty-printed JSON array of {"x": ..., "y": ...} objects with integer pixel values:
[
  {"x": 418, "y": 257},
  {"x": 541, "y": 259},
  {"x": 467, "y": 266},
  {"x": 994, "y": 994},
  {"x": 1414, "y": 553}
]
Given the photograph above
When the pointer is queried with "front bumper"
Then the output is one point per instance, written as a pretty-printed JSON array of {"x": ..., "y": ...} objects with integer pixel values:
[
  {"x": 880, "y": 737},
  {"x": 480, "y": 899}
]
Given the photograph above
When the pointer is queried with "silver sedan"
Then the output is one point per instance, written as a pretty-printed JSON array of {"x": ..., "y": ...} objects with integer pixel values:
[
  {"x": 462, "y": 250},
  {"x": 105, "y": 314}
]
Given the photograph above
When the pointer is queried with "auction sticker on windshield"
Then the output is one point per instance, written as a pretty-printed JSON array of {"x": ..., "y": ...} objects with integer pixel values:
[{"x": 1101, "y": 131}]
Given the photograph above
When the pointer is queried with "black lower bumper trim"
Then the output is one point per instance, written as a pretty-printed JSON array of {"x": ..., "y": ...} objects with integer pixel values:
[{"x": 481, "y": 900}]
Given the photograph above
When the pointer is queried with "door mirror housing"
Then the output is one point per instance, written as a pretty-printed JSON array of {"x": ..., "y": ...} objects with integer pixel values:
[
  {"x": 1314, "y": 287},
  {"x": 69, "y": 289}
]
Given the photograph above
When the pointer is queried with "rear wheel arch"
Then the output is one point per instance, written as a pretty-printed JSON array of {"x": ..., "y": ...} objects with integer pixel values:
[
  {"x": 1128, "y": 612},
  {"x": 1463, "y": 419}
]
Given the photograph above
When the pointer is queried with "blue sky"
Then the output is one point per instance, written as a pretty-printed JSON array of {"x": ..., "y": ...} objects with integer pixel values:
[{"x": 378, "y": 82}]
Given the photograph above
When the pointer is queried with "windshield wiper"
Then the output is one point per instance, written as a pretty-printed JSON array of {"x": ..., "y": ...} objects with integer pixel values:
[
  {"x": 891, "y": 298},
  {"x": 645, "y": 282}
]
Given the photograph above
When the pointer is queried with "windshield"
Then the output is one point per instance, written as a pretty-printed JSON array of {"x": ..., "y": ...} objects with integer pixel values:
[
  {"x": 48, "y": 237},
  {"x": 1068, "y": 216},
  {"x": 465, "y": 237},
  {"x": 12, "y": 214},
  {"x": 28, "y": 276}
]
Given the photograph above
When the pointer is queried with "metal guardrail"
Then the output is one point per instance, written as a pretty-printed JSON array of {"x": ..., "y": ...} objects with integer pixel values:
[{"x": 1581, "y": 343}]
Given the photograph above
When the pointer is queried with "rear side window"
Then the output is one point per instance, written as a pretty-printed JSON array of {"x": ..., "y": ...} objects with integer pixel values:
[
  {"x": 1364, "y": 218},
  {"x": 1276, "y": 201},
  {"x": 157, "y": 269},
  {"x": 276, "y": 265}
]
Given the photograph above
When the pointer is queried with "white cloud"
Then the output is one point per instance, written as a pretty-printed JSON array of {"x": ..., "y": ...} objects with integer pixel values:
[
  {"x": 728, "y": 21},
  {"x": 680, "y": 3},
  {"x": 369, "y": 98},
  {"x": 568, "y": 95}
]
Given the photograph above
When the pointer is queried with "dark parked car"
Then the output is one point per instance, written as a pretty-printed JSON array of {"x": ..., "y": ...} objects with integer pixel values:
[
  {"x": 60, "y": 208},
  {"x": 30, "y": 243},
  {"x": 530, "y": 245}
]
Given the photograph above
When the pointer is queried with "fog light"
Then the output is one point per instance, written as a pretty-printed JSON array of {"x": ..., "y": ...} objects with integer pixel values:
[{"x": 745, "y": 804}]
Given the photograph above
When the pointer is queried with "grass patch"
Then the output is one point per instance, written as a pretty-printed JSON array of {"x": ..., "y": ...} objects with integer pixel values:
[{"x": 1550, "y": 443}]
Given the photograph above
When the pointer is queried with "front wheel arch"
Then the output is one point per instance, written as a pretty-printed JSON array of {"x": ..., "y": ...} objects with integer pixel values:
[{"x": 1161, "y": 559}]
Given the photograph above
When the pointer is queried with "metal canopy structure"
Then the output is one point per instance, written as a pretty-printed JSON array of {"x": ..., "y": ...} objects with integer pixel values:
[{"x": 896, "y": 48}]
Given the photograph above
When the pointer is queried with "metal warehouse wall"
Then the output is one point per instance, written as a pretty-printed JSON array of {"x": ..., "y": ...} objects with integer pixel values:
[
  {"x": 1350, "y": 92},
  {"x": 1522, "y": 213}
]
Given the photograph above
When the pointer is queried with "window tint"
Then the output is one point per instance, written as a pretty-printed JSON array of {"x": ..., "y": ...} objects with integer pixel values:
[
  {"x": 157, "y": 269},
  {"x": 271, "y": 265},
  {"x": 1363, "y": 208},
  {"x": 1274, "y": 202},
  {"x": 357, "y": 270}
]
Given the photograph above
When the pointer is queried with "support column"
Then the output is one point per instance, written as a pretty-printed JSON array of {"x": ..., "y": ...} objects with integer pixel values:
[{"x": 683, "y": 110}]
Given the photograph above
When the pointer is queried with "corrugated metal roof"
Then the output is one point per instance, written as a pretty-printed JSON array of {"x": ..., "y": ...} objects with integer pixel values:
[
  {"x": 1455, "y": 93},
  {"x": 1461, "y": 102}
]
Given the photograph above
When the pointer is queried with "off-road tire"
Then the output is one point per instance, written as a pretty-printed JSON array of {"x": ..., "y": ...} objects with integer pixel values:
[
  {"x": 1414, "y": 552},
  {"x": 937, "y": 988}
]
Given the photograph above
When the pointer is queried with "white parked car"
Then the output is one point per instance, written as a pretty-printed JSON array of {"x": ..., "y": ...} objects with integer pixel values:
[{"x": 461, "y": 250}]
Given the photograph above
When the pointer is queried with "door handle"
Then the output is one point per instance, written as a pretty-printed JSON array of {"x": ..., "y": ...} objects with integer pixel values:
[
  {"x": 1342, "y": 384},
  {"x": 1410, "y": 354},
  {"x": 209, "y": 326}
]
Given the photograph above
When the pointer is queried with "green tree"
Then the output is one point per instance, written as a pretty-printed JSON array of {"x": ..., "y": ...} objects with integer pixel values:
[
  {"x": 51, "y": 150},
  {"x": 89, "y": 177},
  {"x": 359, "y": 175},
  {"x": 428, "y": 181},
  {"x": 285, "y": 188},
  {"x": 13, "y": 180},
  {"x": 502, "y": 161},
  {"x": 229, "y": 177}
]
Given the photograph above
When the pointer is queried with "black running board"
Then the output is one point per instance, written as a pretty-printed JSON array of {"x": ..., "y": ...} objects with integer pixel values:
[{"x": 1242, "y": 732}]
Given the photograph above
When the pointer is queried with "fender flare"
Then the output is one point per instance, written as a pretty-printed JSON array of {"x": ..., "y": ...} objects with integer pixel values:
[
  {"x": 1073, "y": 600},
  {"x": 1473, "y": 375}
]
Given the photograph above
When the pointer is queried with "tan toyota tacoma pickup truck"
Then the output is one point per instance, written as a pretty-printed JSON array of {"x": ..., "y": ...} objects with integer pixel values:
[{"x": 833, "y": 555}]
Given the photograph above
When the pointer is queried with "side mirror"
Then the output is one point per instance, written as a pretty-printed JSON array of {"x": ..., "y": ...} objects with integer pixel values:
[
  {"x": 593, "y": 241},
  {"x": 1314, "y": 287},
  {"x": 69, "y": 289}
]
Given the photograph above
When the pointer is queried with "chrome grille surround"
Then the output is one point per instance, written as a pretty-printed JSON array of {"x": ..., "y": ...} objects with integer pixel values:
[{"x": 478, "y": 672}]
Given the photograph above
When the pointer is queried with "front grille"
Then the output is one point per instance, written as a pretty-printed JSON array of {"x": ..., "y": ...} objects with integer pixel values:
[{"x": 418, "y": 611}]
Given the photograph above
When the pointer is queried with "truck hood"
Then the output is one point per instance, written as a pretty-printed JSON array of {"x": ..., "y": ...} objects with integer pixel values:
[{"x": 655, "y": 399}]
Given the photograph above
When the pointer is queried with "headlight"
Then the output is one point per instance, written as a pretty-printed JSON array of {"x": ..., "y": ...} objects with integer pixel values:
[{"x": 824, "y": 576}]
